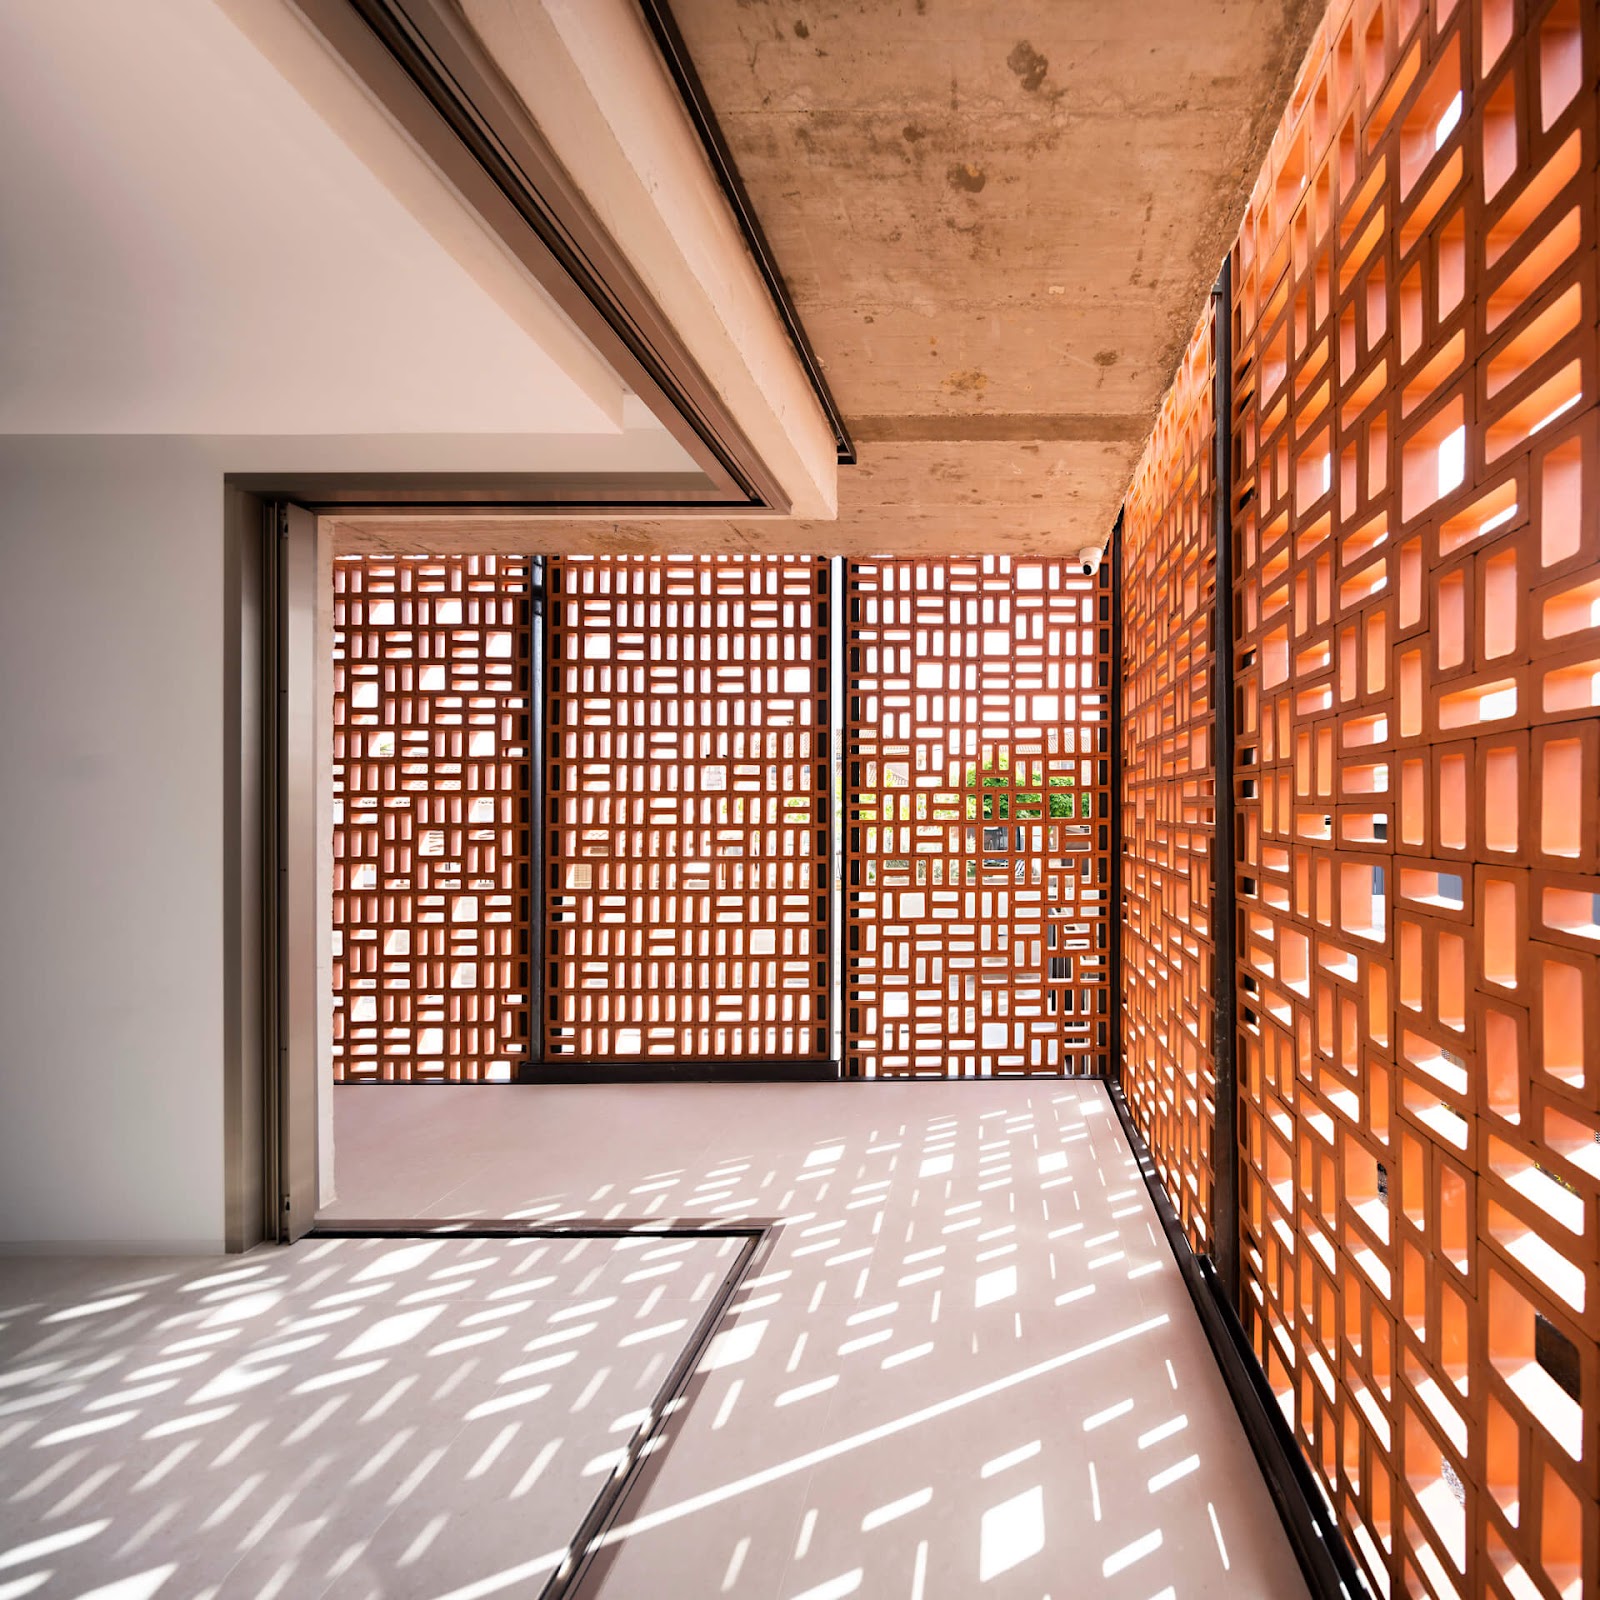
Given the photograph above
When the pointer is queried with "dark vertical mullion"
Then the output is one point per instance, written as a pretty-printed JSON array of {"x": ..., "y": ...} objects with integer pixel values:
[
  {"x": 849, "y": 784},
  {"x": 552, "y": 777},
  {"x": 1224, "y": 906},
  {"x": 1115, "y": 909},
  {"x": 538, "y": 690},
  {"x": 836, "y": 590}
]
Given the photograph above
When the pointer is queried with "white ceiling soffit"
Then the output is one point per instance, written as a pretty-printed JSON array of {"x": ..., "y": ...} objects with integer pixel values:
[
  {"x": 192, "y": 243},
  {"x": 589, "y": 76}
]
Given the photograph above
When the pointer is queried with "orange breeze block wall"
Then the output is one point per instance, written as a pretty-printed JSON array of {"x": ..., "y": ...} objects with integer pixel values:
[
  {"x": 1168, "y": 585},
  {"x": 1416, "y": 526},
  {"x": 432, "y": 784}
]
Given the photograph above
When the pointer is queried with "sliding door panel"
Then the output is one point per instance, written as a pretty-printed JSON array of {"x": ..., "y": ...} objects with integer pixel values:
[
  {"x": 687, "y": 840},
  {"x": 978, "y": 827},
  {"x": 432, "y": 891}
]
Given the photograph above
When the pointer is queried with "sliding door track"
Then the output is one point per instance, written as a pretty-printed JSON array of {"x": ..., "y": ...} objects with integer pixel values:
[{"x": 607, "y": 1504}]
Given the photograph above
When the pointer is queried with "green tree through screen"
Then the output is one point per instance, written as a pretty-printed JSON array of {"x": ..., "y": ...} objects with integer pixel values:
[{"x": 996, "y": 772}]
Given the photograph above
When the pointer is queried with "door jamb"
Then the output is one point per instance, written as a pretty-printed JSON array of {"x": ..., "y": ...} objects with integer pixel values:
[
  {"x": 245, "y": 1150},
  {"x": 285, "y": 850}
]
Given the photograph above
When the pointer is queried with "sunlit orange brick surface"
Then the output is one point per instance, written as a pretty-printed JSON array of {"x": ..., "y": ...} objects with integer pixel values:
[{"x": 1416, "y": 526}]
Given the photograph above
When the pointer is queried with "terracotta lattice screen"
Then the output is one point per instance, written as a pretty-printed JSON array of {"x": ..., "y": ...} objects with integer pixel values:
[
  {"x": 1416, "y": 526},
  {"x": 1169, "y": 562},
  {"x": 977, "y": 818},
  {"x": 687, "y": 823},
  {"x": 431, "y": 773}
]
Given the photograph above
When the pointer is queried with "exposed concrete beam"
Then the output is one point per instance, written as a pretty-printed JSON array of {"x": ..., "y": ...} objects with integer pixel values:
[
  {"x": 998, "y": 225},
  {"x": 1007, "y": 495}
]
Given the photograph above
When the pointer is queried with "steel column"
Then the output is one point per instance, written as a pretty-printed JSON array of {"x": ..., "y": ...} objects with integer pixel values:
[{"x": 1224, "y": 910}]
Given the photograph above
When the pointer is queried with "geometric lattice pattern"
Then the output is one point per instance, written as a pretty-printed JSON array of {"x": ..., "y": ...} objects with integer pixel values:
[
  {"x": 1417, "y": 514},
  {"x": 1416, "y": 525},
  {"x": 1168, "y": 579},
  {"x": 687, "y": 825},
  {"x": 431, "y": 772},
  {"x": 977, "y": 818}
]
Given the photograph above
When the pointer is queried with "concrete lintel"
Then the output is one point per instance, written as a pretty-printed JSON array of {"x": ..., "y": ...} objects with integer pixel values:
[{"x": 589, "y": 76}]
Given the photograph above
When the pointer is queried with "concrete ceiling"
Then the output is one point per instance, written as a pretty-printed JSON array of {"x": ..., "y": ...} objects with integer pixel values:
[{"x": 999, "y": 224}]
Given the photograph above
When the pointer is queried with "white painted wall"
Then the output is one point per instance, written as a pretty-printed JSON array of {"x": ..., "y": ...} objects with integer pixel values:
[
  {"x": 184, "y": 233},
  {"x": 111, "y": 843},
  {"x": 113, "y": 873}
]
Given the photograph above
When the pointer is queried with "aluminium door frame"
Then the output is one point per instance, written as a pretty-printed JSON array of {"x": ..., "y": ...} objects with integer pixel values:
[
  {"x": 272, "y": 1064},
  {"x": 247, "y": 1151}
]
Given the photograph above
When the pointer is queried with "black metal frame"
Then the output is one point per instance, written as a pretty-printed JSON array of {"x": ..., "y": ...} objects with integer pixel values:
[
  {"x": 1113, "y": 1072},
  {"x": 578, "y": 1069},
  {"x": 583, "y": 1069},
  {"x": 838, "y": 588},
  {"x": 607, "y": 1504},
  {"x": 1224, "y": 904},
  {"x": 538, "y": 888}
]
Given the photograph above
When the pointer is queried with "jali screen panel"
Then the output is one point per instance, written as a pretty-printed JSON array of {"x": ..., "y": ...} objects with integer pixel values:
[
  {"x": 1169, "y": 568},
  {"x": 977, "y": 816},
  {"x": 1417, "y": 530},
  {"x": 687, "y": 828},
  {"x": 431, "y": 777}
]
